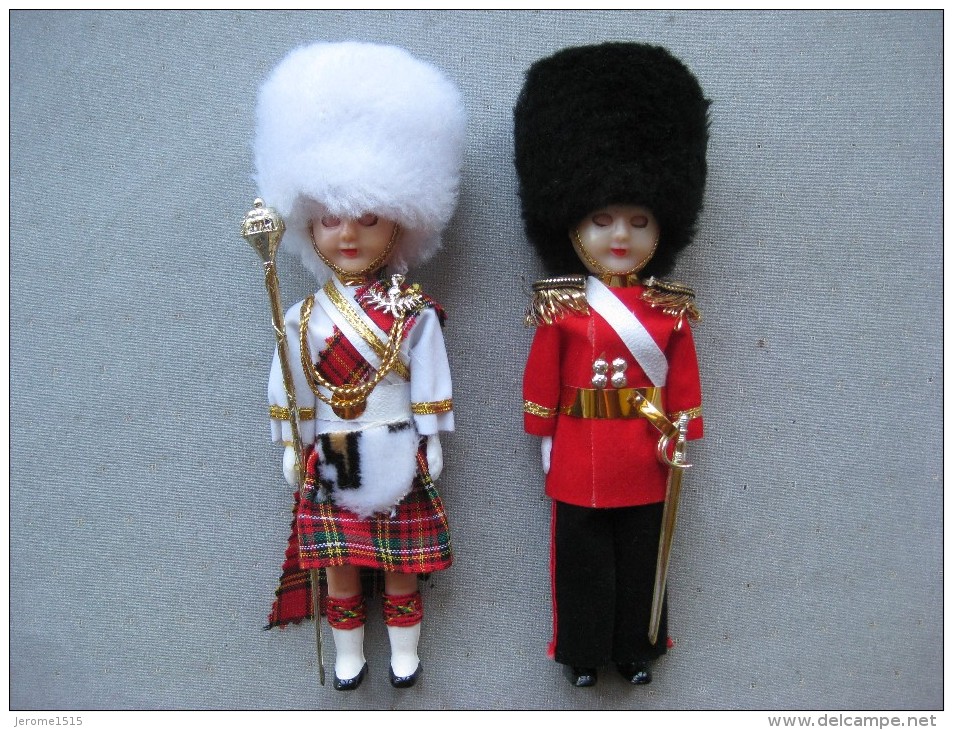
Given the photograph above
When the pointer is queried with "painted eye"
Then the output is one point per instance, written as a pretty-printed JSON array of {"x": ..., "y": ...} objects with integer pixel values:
[
  {"x": 330, "y": 221},
  {"x": 602, "y": 219},
  {"x": 368, "y": 220},
  {"x": 640, "y": 221}
]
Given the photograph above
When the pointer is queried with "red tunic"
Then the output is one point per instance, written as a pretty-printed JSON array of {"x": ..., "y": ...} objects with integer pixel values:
[{"x": 607, "y": 462}]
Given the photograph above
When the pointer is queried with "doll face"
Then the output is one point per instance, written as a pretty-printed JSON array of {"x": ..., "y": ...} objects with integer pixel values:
[
  {"x": 353, "y": 245},
  {"x": 617, "y": 239}
]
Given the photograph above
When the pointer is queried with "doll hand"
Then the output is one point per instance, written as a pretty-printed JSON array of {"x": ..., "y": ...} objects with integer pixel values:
[
  {"x": 434, "y": 456},
  {"x": 289, "y": 467},
  {"x": 545, "y": 448}
]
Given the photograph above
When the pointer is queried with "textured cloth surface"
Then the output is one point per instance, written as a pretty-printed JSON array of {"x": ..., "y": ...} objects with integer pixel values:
[
  {"x": 294, "y": 600},
  {"x": 808, "y": 558},
  {"x": 608, "y": 462},
  {"x": 603, "y": 573},
  {"x": 415, "y": 538}
]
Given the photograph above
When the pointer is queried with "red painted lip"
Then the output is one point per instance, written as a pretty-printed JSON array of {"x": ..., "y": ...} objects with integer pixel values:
[
  {"x": 620, "y": 252},
  {"x": 351, "y": 253}
]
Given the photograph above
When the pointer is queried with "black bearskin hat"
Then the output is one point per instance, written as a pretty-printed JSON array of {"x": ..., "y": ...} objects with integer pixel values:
[{"x": 612, "y": 124}]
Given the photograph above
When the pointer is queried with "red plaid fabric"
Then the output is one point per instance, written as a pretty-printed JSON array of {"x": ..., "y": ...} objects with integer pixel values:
[
  {"x": 415, "y": 540},
  {"x": 340, "y": 363},
  {"x": 293, "y": 602}
]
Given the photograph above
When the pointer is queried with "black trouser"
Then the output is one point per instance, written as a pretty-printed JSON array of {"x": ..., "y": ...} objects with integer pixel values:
[{"x": 604, "y": 574}]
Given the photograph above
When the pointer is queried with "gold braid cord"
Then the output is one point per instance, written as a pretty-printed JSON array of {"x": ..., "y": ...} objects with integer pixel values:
[
  {"x": 673, "y": 297},
  {"x": 556, "y": 298},
  {"x": 354, "y": 319},
  {"x": 347, "y": 396}
]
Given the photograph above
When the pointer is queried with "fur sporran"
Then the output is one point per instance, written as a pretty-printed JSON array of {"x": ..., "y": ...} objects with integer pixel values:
[{"x": 369, "y": 471}]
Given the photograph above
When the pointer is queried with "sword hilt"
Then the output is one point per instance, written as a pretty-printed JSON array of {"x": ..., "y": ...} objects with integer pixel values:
[{"x": 677, "y": 431}]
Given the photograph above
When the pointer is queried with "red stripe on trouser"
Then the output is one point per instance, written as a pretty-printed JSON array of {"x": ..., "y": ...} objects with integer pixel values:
[
  {"x": 551, "y": 651},
  {"x": 346, "y": 613},
  {"x": 403, "y": 610}
]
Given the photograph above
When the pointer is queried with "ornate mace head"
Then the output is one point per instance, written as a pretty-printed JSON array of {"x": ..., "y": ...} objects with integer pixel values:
[{"x": 263, "y": 228}]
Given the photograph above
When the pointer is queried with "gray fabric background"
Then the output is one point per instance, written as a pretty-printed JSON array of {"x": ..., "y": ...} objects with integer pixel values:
[{"x": 148, "y": 513}]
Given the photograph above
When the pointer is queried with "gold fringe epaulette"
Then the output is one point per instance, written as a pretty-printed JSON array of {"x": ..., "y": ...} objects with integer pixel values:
[
  {"x": 556, "y": 298},
  {"x": 673, "y": 297}
]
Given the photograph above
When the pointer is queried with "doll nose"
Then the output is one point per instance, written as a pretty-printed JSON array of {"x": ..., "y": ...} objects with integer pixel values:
[
  {"x": 348, "y": 230},
  {"x": 620, "y": 231}
]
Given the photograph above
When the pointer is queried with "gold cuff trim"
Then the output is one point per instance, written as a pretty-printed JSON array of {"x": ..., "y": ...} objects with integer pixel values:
[
  {"x": 695, "y": 412},
  {"x": 341, "y": 303},
  {"x": 535, "y": 409},
  {"x": 280, "y": 413},
  {"x": 431, "y": 408},
  {"x": 605, "y": 402}
]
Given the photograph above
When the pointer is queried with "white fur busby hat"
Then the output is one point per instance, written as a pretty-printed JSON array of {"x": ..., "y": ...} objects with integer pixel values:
[{"x": 353, "y": 128}]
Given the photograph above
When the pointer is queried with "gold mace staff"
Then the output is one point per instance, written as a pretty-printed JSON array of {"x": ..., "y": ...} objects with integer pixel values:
[
  {"x": 677, "y": 464},
  {"x": 263, "y": 228}
]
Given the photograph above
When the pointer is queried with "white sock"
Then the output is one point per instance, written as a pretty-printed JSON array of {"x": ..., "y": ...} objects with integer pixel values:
[
  {"x": 403, "y": 649},
  {"x": 348, "y": 652}
]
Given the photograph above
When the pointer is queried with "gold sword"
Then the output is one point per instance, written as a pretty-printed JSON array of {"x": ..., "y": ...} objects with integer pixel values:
[
  {"x": 676, "y": 466},
  {"x": 263, "y": 228}
]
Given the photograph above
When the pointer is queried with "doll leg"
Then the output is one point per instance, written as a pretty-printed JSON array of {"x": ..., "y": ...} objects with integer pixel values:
[
  {"x": 403, "y": 611},
  {"x": 636, "y": 532},
  {"x": 583, "y": 576},
  {"x": 346, "y": 616}
]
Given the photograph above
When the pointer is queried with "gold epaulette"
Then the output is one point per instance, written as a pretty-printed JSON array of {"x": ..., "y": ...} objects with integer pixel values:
[
  {"x": 556, "y": 298},
  {"x": 673, "y": 297}
]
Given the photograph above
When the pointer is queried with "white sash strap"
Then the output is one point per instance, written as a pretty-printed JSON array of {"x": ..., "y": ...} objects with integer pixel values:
[{"x": 632, "y": 332}]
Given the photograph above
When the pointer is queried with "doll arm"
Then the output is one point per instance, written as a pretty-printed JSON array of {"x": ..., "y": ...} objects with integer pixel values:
[
  {"x": 278, "y": 399},
  {"x": 289, "y": 467},
  {"x": 278, "y": 396},
  {"x": 546, "y": 450},
  {"x": 541, "y": 390},
  {"x": 434, "y": 456},
  {"x": 541, "y": 383},
  {"x": 431, "y": 393},
  {"x": 683, "y": 386}
]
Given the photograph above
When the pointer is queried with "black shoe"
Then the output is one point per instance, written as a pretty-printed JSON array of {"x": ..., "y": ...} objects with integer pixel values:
[
  {"x": 353, "y": 683},
  {"x": 635, "y": 672},
  {"x": 408, "y": 681},
  {"x": 582, "y": 676}
]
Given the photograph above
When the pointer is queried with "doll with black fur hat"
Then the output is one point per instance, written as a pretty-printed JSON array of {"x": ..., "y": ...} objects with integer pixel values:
[
  {"x": 359, "y": 149},
  {"x": 610, "y": 144}
]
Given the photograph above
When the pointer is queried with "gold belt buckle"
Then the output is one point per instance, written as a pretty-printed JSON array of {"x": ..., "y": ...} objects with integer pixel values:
[{"x": 605, "y": 402}]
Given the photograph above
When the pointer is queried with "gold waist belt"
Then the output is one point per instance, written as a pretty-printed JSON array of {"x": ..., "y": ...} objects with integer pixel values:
[{"x": 605, "y": 402}]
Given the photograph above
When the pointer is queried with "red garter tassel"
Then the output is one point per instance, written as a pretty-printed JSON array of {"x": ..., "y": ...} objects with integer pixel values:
[{"x": 403, "y": 610}]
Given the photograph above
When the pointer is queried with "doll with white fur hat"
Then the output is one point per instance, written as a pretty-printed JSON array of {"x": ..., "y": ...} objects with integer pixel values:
[{"x": 359, "y": 148}]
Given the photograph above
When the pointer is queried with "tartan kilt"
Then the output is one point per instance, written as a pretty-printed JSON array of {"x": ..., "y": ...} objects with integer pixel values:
[{"x": 415, "y": 540}]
